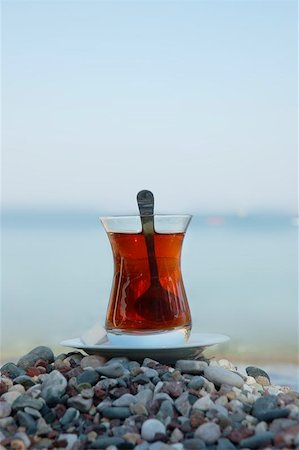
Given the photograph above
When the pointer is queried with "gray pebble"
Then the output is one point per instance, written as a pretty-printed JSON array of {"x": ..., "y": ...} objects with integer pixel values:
[
  {"x": 116, "y": 412},
  {"x": 281, "y": 424},
  {"x": 125, "y": 400},
  {"x": 90, "y": 376},
  {"x": 12, "y": 370},
  {"x": 53, "y": 388},
  {"x": 80, "y": 403},
  {"x": 104, "y": 442},
  {"x": 27, "y": 421},
  {"x": 160, "y": 446},
  {"x": 124, "y": 361},
  {"x": 262, "y": 405},
  {"x": 23, "y": 437},
  {"x": 144, "y": 396},
  {"x": 150, "y": 428},
  {"x": 257, "y": 373},
  {"x": 150, "y": 373},
  {"x": 5, "y": 409},
  {"x": 182, "y": 404},
  {"x": 194, "y": 444},
  {"x": 70, "y": 438},
  {"x": 10, "y": 396},
  {"x": 209, "y": 432},
  {"x": 191, "y": 366},
  {"x": 93, "y": 361},
  {"x": 225, "y": 444},
  {"x": 219, "y": 376},
  {"x": 133, "y": 365},
  {"x": 113, "y": 370},
  {"x": 258, "y": 440},
  {"x": 6, "y": 422},
  {"x": 69, "y": 416},
  {"x": 196, "y": 383},
  {"x": 33, "y": 412},
  {"x": 34, "y": 355},
  {"x": 166, "y": 410},
  {"x": 25, "y": 381},
  {"x": 25, "y": 400},
  {"x": 143, "y": 446}
]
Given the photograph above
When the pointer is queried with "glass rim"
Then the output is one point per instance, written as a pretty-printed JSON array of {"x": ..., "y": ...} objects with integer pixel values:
[{"x": 136, "y": 216}]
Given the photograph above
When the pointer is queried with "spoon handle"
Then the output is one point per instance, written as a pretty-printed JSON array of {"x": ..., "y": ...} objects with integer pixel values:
[{"x": 145, "y": 200}]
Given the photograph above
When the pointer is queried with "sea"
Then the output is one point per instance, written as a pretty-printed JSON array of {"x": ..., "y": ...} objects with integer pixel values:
[{"x": 240, "y": 275}]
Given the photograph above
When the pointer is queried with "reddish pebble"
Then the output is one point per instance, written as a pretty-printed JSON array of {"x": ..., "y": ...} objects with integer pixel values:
[
  {"x": 53, "y": 434},
  {"x": 3, "y": 388},
  {"x": 60, "y": 410},
  {"x": 237, "y": 435},
  {"x": 42, "y": 363},
  {"x": 286, "y": 437},
  {"x": 99, "y": 393},
  {"x": 33, "y": 372},
  {"x": 62, "y": 443}
]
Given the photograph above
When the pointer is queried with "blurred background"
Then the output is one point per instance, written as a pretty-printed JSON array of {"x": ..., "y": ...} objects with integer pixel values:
[{"x": 194, "y": 100}]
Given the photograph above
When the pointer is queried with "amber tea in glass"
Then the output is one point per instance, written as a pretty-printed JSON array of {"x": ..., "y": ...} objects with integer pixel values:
[{"x": 127, "y": 313}]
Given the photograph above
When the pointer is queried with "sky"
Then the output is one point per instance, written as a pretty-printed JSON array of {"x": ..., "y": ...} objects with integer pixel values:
[{"x": 195, "y": 100}]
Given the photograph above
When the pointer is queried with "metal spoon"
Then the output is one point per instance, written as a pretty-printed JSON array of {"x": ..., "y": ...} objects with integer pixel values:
[{"x": 156, "y": 303}]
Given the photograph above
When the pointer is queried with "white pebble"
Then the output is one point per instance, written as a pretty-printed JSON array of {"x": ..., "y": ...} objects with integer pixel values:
[
  {"x": 250, "y": 380},
  {"x": 209, "y": 432},
  {"x": 261, "y": 427},
  {"x": 150, "y": 427},
  {"x": 203, "y": 403}
]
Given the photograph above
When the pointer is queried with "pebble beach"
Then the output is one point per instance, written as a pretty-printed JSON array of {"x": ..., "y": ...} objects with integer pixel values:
[{"x": 74, "y": 401}]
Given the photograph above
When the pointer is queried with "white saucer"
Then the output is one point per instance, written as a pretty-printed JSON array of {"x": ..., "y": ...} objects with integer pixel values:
[{"x": 167, "y": 354}]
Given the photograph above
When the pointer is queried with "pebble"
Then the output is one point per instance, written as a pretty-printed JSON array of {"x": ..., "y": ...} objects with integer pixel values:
[
  {"x": 125, "y": 400},
  {"x": 116, "y": 412},
  {"x": 258, "y": 440},
  {"x": 104, "y": 442},
  {"x": 92, "y": 361},
  {"x": 194, "y": 444},
  {"x": 41, "y": 352},
  {"x": 23, "y": 401},
  {"x": 166, "y": 410},
  {"x": 27, "y": 421},
  {"x": 53, "y": 387},
  {"x": 12, "y": 370},
  {"x": 90, "y": 376},
  {"x": 183, "y": 405},
  {"x": 17, "y": 444},
  {"x": 144, "y": 396},
  {"x": 219, "y": 376},
  {"x": 196, "y": 383},
  {"x": 191, "y": 366},
  {"x": 23, "y": 437},
  {"x": 259, "y": 375},
  {"x": 70, "y": 438},
  {"x": 113, "y": 370},
  {"x": 10, "y": 396},
  {"x": 203, "y": 403},
  {"x": 33, "y": 412},
  {"x": 5, "y": 409},
  {"x": 25, "y": 381},
  {"x": 80, "y": 403},
  {"x": 209, "y": 432},
  {"x": 225, "y": 444},
  {"x": 150, "y": 428},
  {"x": 69, "y": 416}
]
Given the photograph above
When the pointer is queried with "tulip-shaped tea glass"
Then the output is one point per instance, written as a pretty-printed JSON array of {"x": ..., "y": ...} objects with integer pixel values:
[{"x": 134, "y": 316}]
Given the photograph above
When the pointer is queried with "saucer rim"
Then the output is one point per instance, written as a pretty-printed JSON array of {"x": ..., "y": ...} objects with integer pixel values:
[{"x": 215, "y": 337}]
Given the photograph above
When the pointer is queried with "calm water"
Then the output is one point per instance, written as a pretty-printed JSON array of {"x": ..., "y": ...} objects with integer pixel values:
[{"x": 240, "y": 276}]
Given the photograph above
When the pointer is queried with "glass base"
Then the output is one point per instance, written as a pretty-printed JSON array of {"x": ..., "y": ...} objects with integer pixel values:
[{"x": 141, "y": 339}]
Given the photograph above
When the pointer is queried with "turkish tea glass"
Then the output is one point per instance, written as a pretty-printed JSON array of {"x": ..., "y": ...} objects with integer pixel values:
[{"x": 164, "y": 320}]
